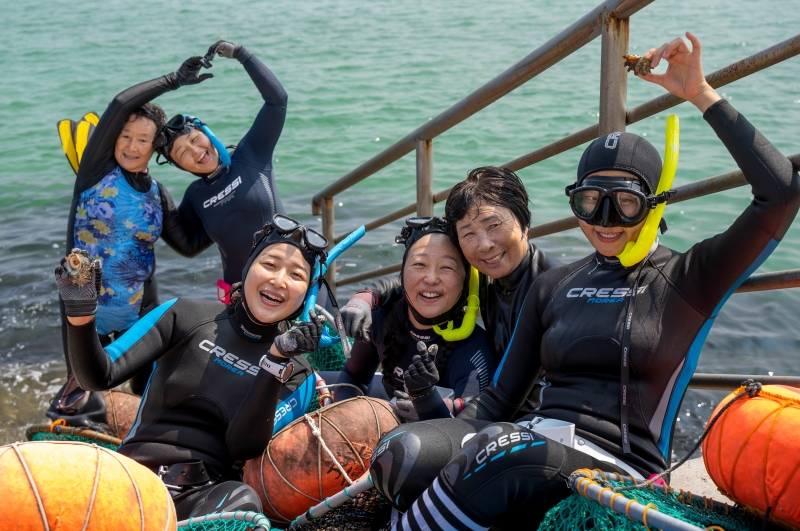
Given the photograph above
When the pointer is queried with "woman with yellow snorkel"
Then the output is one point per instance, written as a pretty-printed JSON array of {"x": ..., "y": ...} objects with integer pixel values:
[
  {"x": 618, "y": 333},
  {"x": 416, "y": 355}
]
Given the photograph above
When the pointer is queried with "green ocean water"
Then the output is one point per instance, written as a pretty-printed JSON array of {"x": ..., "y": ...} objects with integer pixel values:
[{"x": 361, "y": 75}]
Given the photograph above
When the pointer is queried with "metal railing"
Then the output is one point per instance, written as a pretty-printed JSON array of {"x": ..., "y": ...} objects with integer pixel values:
[{"x": 611, "y": 21}]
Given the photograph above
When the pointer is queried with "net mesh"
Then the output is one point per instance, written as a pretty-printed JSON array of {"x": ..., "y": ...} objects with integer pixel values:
[
  {"x": 46, "y": 436},
  {"x": 369, "y": 510},
  {"x": 578, "y": 512},
  {"x": 234, "y": 521},
  {"x": 328, "y": 358}
]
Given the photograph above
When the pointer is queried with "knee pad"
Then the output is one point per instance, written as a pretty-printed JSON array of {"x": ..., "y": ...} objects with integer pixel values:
[{"x": 409, "y": 458}]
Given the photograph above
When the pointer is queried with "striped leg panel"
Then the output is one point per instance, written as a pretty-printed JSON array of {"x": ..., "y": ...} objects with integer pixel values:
[{"x": 435, "y": 510}]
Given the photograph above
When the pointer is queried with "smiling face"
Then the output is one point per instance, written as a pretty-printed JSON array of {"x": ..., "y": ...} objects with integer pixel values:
[
  {"x": 492, "y": 239},
  {"x": 134, "y": 145},
  {"x": 195, "y": 153},
  {"x": 433, "y": 275},
  {"x": 276, "y": 283},
  {"x": 611, "y": 241}
]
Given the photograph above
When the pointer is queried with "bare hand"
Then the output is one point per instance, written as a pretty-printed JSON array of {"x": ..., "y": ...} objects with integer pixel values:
[{"x": 684, "y": 76}]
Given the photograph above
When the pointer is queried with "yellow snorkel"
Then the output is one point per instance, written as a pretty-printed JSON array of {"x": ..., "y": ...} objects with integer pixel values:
[
  {"x": 636, "y": 251},
  {"x": 470, "y": 315}
]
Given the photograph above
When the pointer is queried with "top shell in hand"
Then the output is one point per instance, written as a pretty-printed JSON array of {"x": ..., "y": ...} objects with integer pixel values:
[
  {"x": 79, "y": 268},
  {"x": 639, "y": 65}
]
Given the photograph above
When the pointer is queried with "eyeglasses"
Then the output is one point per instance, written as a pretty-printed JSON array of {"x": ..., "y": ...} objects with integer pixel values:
[
  {"x": 284, "y": 225},
  {"x": 593, "y": 200},
  {"x": 176, "y": 126}
]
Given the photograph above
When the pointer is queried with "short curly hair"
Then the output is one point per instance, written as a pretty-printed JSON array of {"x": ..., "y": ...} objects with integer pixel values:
[
  {"x": 151, "y": 111},
  {"x": 490, "y": 185}
]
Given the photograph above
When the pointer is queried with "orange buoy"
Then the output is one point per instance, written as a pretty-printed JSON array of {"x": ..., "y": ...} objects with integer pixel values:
[
  {"x": 121, "y": 409},
  {"x": 75, "y": 486},
  {"x": 318, "y": 455},
  {"x": 752, "y": 453}
]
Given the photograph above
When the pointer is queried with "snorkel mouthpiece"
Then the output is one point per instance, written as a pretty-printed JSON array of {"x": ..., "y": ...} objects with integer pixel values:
[
  {"x": 636, "y": 251},
  {"x": 470, "y": 313}
]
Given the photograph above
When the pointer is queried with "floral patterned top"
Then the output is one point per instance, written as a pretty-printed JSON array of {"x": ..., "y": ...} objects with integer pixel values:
[{"x": 119, "y": 225}]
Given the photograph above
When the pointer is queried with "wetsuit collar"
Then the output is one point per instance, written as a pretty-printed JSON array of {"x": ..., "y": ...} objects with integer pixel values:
[
  {"x": 510, "y": 282},
  {"x": 612, "y": 262},
  {"x": 211, "y": 177},
  {"x": 139, "y": 180},
  {"x": 250, "y": 329}
]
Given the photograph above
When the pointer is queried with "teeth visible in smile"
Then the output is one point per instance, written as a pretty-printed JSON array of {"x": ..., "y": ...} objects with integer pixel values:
[
  {"x": 494, "y": 259},
  {"x": 271, "y": 298},
  {"x": 608, "y": 236},
  {"x": 429, "y": 295}
]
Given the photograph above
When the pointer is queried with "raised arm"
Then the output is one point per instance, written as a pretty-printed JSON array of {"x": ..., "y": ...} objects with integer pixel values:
[
  {"x": 98, "y": 158},
  {"x": 182, "y": 228}
]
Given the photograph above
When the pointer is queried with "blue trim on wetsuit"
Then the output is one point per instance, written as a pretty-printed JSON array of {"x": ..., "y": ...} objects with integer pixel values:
[
  {"x": 137, "y": 419},
  {"x": 302, "y": 395},
  {"x": 682, "y": 383},
  {"x": 116, "y": 349},
  {"x": 505, "y": 354}
]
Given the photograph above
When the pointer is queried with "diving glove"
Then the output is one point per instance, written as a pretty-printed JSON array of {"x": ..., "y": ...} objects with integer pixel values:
[
  {"x": 223, "y": 49},
  {"x": 422, "y": 375},
  {"x": 187, "y": 74},
  {"x": 302, "y": 337},
  {"x": 404, "y": 407},
  {"x": 80, "y": 298},
  {"x": 357, "y": 315}
]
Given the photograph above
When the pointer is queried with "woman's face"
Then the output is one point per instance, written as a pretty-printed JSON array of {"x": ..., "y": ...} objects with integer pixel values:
[
  {"x": 611, "y": 241},
  {"x": 276, "y": 283},
  {"x": 134, "y": 145},
  {"x": 492, "y": 239},
  {"x": 433, "y": 275},
  {"x": 195, "y": 153}
]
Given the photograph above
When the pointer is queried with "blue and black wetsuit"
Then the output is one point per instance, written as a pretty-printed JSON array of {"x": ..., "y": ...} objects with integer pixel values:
[
  {"x": 468, "y": 370},
  {"x": 206, "y": 399},
  {"x": 242, "y": 197},
  {"x": 117, "y": 216},
  {"x": 572, "y": 324}
]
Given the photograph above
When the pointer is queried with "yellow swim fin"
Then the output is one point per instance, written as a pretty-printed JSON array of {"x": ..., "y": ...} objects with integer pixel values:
[{"x": 75, "y": 136}]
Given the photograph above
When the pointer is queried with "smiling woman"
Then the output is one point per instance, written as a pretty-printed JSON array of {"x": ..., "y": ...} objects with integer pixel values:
[{"x": 217, "y": 374}]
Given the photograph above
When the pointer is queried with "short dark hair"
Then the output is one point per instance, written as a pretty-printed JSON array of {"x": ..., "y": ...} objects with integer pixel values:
[
  {"x": 489, "y": 185},
  {"x": 151, "y": 111}
]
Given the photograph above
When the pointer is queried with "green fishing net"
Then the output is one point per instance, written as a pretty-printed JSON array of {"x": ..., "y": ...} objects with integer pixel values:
[
  {"x": 233, "y": 521},
  {"x": 369, "y": 510},
  {"x": 46, "y": 436},
  {"x": 578, "y": 512},
  {"x": 328, "y": 358}
]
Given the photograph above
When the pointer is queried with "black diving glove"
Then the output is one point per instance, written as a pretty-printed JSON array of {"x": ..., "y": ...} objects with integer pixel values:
[
  {"x": 404, "y": 407},
  {"x": 302, "y": 337},
  {"x": 223, "y": 49},
  {"x": 422, "y": 375},
  {"x": 187, "y": 74},
  {"x": 79, "y": 287}
]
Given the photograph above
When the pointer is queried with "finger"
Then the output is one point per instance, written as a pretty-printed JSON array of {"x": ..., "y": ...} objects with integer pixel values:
[
  {"x": 411, "y": 372},
  {"x": 365, "y": 334},
  {"x": 59, "y": 272},
  {"x": 433, "y": 350},
  {"x": 421, "y": 347},
  {"x": 696, "y": 46},
  {"x": 655, "y": 55},
  {"x": 658, "y": 79},
  {"x": 204, "y": 77}
]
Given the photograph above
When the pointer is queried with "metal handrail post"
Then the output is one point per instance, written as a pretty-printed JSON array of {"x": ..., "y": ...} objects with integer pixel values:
[
  {"x": 613, "y": 78},
  {"x": 329, "y": 231},
  {"x": 424, "y": 177}
]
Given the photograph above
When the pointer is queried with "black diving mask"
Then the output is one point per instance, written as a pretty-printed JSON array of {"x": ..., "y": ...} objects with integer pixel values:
[
  {"x": 612, "y": 201},
  {"x": 285, "y": 229}
]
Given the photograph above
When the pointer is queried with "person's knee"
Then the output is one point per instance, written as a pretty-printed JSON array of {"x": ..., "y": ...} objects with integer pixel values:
[
  {"x": 408, "y": 458},
  {"x": 228, "y": 496}
]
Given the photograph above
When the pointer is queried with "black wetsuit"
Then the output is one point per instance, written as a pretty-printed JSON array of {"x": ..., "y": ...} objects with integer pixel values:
[
  {"x": 572, "y": 325},
  {"x": 500, "y": 299},
  {"x": 470, "y": 365},
  {"x": 207, "y": 399},
  {"x": 183, "y": 233},
  {"x": 244, "y": 196}
]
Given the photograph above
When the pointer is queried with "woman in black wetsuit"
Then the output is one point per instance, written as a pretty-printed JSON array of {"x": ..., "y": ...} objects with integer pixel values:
[
  {"x": 118, "y": 211},
  {"x": 217, "y": 372},
  {"x": 619, "y": 388},
  {"x": 434, "y": 284}
]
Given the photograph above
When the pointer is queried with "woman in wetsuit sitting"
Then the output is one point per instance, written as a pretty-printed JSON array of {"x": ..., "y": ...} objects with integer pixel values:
[
  {"x": 619, "y": 386},
  {"x": 434, "y": 283},
  {"x": 217, "y": 372}
]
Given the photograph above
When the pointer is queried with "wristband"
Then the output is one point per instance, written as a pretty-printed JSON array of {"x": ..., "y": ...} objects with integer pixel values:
[{"x": 281, "y": 371}]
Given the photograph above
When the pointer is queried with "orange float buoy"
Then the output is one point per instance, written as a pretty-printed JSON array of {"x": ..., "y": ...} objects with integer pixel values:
[
  {"x": 121, "y": 409},
  {"x": 752, "y": 453},
  {"x": 75, "y": 486},
  {"x": 318, "y": 455}
]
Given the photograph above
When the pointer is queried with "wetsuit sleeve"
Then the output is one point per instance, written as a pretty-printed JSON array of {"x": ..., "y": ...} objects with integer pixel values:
[
  {"x": 359, "y": 370},
  {"x": 262, "y": 413},
  {"x": 714, "y": 267},
  {"x": 258, "y": 144},
  {"x": 516, "y": 374},
  {"x": 387, "y": 290},
  {"x": 182, "y": 229},
  {"x": 98, "y": 369},
  {"x": 98, "y": 158}
]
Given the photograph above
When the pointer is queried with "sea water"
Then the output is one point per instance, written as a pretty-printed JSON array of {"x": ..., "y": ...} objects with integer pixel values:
[{"x": 360, "y": 76}]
